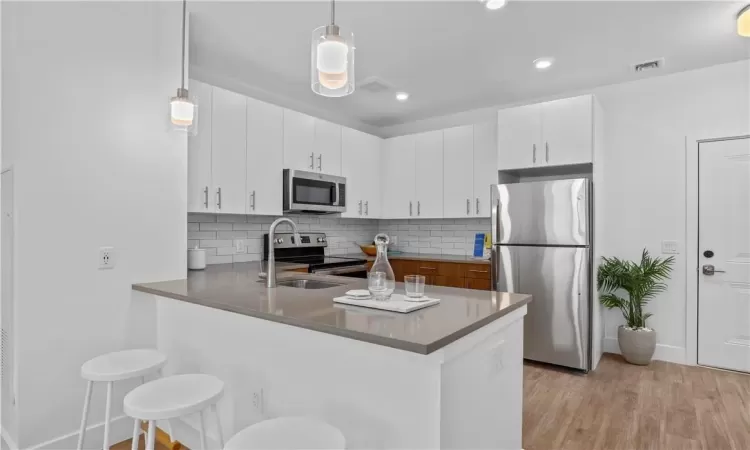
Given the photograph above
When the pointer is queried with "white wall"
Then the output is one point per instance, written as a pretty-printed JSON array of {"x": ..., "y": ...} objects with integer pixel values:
[
  {"x": 647, "y": 123},
  {"x": 85, "y": 118}
]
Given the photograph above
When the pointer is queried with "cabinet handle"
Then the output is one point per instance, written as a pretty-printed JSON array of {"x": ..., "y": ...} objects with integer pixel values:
[
  {"x": 360, "y": 207},
  {"x": 428, "y": 268},
  {"x": 468, "y": 206},
  {"x": 312, "y": 160},
  {"x": 320, "y": 162},
  {"x": 546, "y": 149},
  {"x": 477, "y": 205},
  {"x": 205, "y": 194},
  {"x": 410, "y": 209},
  {"x": 253, "y": 197},
  {"x": 218, "y": 198},
  {"x": 419, "y": 208},
  {"x": 533, "y": 153},
  {"x": 367, "y": 208},
  {"x": 478, "y": 271}
]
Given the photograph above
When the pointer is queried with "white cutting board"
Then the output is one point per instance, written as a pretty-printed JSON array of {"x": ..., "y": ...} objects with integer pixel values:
[{"x": 396, "y": 303}]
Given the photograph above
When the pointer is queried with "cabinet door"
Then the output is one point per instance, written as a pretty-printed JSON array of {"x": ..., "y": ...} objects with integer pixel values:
[
  {"x": 397, "y": 178},
  {"x": 458, "y": 177},
  {"x": 228, "y": 162},
  {"x": 485, "y": 167},
  {"x": 372, "y": 206},
  {"x": 265, "y": 160},
  {"x": 519, "y": 132},
  {"x": 200, "y": 189},
  {"x": 568, "y": 131},
  {"x": 429, "y": 174},
  {"x": 354, "y": 168},
  {"x": 327, "y": 147},
  {"x": 477, "y": 284},
  {"x": 299, "y": 137}
]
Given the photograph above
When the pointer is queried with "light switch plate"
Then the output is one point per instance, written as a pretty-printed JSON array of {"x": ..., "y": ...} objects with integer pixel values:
[{"x": 669, "y": 248}]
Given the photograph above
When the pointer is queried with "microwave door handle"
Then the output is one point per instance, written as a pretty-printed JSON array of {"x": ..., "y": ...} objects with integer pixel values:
[{"x": 334, "y": 194}]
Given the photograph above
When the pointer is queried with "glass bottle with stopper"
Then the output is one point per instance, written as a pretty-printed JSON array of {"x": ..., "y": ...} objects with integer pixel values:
[{"x": 381, "y": 281}]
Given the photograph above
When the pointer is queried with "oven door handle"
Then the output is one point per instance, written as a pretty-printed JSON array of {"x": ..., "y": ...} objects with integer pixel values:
[{"x": 341, "y": 270}]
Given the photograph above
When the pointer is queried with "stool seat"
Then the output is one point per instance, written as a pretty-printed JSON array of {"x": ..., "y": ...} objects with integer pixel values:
[
  {"x": 172, "y": 397},
  {"x": 123, "y": 365},
  {"x": 288, "y": 433}
]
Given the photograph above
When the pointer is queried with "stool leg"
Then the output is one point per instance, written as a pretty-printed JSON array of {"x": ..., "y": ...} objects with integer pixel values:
[
  {"x": 107, "y": 414},
  {"x": 86, "y": 402},
  {"x": 203, "y": 431},
  {"x": 136, "y": 434},
  {"x": 218, "y": 425},
  {"x": 151, "y": 437}
]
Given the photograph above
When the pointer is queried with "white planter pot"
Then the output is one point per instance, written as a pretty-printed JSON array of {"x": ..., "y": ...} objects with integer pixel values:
[{"x": 636, "y": 346}]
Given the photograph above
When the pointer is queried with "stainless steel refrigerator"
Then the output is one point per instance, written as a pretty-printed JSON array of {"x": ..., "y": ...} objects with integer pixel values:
[{"x": 541, "y": 236}]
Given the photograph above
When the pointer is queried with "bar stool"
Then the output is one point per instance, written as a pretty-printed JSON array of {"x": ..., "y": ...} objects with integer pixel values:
[
  {"x": 288, "y": 433},
  {"x": 111, "y": 367},
  {"x": 173, "y": 397}
]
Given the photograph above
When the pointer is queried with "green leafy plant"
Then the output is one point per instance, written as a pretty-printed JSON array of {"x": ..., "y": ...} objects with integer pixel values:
[{"x": 641, "y": 281}]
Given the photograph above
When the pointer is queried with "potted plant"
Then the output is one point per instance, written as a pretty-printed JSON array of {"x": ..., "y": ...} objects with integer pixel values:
[{"x": 642, "y": 282}]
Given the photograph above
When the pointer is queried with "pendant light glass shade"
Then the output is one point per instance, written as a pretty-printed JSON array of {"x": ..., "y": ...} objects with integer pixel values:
[
  {"x": 332, "y": 62},
  {"x": 183, "y": 112},
  {"x": 743, "y": 22}
]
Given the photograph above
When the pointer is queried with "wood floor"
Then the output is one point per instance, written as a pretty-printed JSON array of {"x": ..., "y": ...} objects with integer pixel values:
[{"x": 624, "y": 407}]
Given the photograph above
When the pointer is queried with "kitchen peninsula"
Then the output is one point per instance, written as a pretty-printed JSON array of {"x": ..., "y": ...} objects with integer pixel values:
[{"x": 447, "y": 376}]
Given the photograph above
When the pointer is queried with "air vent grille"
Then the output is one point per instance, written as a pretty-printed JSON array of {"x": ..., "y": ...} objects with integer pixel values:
[
  {"x": 649, "y": 65},
  {"x": 374, "y": 85}
]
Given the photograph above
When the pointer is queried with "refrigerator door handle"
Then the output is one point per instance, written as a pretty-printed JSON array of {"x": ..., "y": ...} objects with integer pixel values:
[{"x": 495, "y": 224}]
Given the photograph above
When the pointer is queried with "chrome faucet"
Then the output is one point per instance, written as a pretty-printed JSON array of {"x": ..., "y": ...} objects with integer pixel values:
[{"x": 272, "y": 241}]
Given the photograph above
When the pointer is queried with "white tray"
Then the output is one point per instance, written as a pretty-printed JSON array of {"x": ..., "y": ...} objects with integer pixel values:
[{"x": 397, "y": 303}]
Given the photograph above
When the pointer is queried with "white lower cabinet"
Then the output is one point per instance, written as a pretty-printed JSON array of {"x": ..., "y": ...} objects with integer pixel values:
[
  {"x": 361, "y": 166},
  {"x": 228, "y": 163},
  {"x": 429, "y": 174},
  {"x": 398, "y": 162},
  {"x": 265, "y": 158}
]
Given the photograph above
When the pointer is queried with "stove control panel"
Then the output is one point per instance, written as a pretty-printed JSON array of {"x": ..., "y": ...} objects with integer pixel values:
[{"x": 306, "y": 240}]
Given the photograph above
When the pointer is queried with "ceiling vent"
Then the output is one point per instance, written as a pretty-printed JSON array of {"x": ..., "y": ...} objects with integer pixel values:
[
  {"x": 374, "y": 85},
  {"x": 649, "y": 65}
]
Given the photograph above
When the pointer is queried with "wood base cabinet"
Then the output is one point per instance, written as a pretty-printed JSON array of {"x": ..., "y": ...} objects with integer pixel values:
[{"x": 448, "y": 274}]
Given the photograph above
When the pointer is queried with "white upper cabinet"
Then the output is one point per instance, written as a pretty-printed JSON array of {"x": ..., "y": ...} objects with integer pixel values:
[
  {"x": 519, "y": 137},
  {"x": 568, "y": 131},
  {"x": 429, "y": 174},
  {"x": 485, "y": 166},
  {"x": 361, "y": 167},
  {"x": 200, "y": 190},
  {"x": 265, "y": 160},
  {"x": 228, "y": 163},
  {"x": 554, "y": 133},
  {"x": 458, "y": 185},
  {"x": 398, "y": 162},
  {"x": 299, "y": 140},
  {"x": 327, "y": 147}
]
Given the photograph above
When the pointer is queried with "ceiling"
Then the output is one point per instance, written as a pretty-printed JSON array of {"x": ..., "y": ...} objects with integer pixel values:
[{"x": 456, "y": 56}]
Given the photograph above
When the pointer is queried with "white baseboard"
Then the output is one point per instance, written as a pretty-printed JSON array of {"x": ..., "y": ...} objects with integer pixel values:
[
  {"x": 120, "y": 429},
  {"x": 668, "y": 353}
]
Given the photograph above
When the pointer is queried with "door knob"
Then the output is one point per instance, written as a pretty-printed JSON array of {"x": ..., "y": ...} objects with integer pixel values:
[{"x": 709, "y": 269}]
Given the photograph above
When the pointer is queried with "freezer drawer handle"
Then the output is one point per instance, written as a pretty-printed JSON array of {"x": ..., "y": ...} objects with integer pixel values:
[
  {"x": 478, "y": 271},
  {"x": 428, "y": 268}
]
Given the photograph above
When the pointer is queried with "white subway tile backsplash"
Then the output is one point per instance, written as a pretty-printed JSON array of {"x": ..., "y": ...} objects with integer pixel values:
[
  {"x": 216, "y": 243},
  {"x": 193, "y": 226},
  {"x": 231, "y": 234},
  {"x": 195, "y": 217},
  {"x": 201, "y": 235},
  {"x": 216, "y": 226},
  {"x": 446, "y": 236},
  {"x": 223, "y": 251},
  {"x": 246, "y": 226},
  {"x": 215, "y": 259}
]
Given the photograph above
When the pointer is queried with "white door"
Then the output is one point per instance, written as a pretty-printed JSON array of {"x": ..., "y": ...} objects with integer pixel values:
[
  {"x": 327, "y": 147},
  {"x": 200, "y": 189},
  {"x": 519, "y": 134},
  {"x": 429, "y": 174},
  {"x": 458, "y": 178},
  {"x": 397, "y": 178},
  {"x": 485, "y": 166},
  {"x": 724, "y": 231},
  {"x": 299, "y": 139},
  {"x": 567, "y": 131},
  {"x": 354, "y": 168},
  {"x": 228, "y": 159},
  {"x": 265, "y": 158}
]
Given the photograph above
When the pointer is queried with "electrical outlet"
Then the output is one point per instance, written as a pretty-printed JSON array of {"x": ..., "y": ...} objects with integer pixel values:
[
  {"x": 239, "y": 246},
  {"x": 106, "y": 258},
  {"x": 669, "y": 248},
  {"x": 258, "y": 401},
  {"x": 394, "y": 240}
]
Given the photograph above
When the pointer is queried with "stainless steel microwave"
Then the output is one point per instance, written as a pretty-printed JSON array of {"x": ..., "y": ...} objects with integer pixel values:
[{"x": 313, "y": 192}]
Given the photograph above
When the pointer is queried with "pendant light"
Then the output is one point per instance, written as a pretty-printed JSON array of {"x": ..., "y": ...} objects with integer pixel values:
[
  {"x": 332, "y": 59},
  {"x": 183, "y": 109},
  {"x": 743, "y": 22}
]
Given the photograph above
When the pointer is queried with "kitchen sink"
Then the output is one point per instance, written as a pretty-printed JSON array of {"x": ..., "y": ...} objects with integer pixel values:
[{"x": 307, "y": 284}]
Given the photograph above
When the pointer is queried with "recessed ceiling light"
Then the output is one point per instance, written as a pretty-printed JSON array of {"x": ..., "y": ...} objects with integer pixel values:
[
  {"x": 494, "y": 4},
  {"x": 543, "y": 63},
  {"x": 402, "y": 96},
  {"x": 743, "y": 22}
]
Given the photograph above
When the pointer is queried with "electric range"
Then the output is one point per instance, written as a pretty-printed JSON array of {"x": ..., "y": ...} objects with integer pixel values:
[{"x": 311, "y": 251}]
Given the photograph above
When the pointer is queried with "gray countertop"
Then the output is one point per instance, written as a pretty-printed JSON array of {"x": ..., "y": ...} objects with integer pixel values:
[
  {"x": 235, "y": 288},
  {"x": 427, "y": 257}
]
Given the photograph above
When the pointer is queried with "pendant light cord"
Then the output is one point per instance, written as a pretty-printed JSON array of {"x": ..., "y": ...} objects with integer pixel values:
[
  {"x": 333, "y": 12},
  {"x": 184, "y": 14}
]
